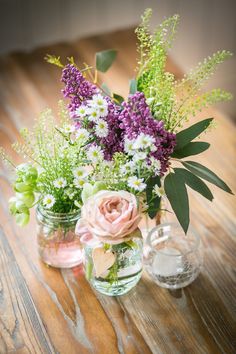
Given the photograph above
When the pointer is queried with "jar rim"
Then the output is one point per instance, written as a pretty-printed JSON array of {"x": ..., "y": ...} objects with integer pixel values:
[
  {"x": 191, "y": 231},
  {"x": 47, "y": 213}
]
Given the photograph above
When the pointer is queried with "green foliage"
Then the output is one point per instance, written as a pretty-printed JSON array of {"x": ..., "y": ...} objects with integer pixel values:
[
  {"x": 171, "y": 100},
  {"x": 132, "y": 86},
  {"x": 153, "y": 200},
  {"x": 52, "y": 59},
  {"x": 195, "y": 183},
  {"x": 177, "y": 195},
  {"x": 105, "y": 59},
  {"x": 117, "y": 98},
  {"x": 187, "y": 135},
  {"x": 205, "y": 173},
  {"x": 106, "y": 89},
  {"x": 193, "y": 148}
]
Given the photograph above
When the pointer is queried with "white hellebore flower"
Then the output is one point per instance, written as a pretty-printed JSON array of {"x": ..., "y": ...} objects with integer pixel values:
[
  {"x": 82, "y": 111},
  {"x": 95, "y": 154},
  {"x": 48, "y": 201},
  {"x": 101, "y": 129},
  {"x": 136, "y": 183},
  {"x": 60, "y": 183},
  {"x": 159, "y": 191},
  {"x": 144, "y": 141},
  {"x": 80, "y": 172}
]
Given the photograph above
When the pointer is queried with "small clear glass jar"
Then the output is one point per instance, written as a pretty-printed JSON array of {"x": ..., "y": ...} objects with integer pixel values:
[
  {"x": 124, "y": 273},
  {"x": 58, "y": 245},
  {"x": 172, "y": 258}
]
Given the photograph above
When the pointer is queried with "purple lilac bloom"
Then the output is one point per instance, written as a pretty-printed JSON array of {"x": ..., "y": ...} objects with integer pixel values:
[
  {"x": 136, "y": 118},
  {"x": 114, "y": 141},
  {"x": 77, "y": 88}
]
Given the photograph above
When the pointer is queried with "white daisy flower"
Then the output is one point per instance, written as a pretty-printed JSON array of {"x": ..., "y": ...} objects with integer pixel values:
[
  {"x": 144, "y": 141},
  {"x": 98, "y": 101},
  {"x": 95, "y": 154},
  {"x": 78, "y": 204},
  {"x": 139, "y": 156},
  {"x": 70, "y": 193},
  {"x": 159, "y": 191},
  {"x": 129, "y": 146},
  {"x": 101, "y": 129},
  {"x": 82, "y": 135},
  {"x": 155, "y": 164},
  {"x": 60, "y": 183},
  {"x": 93, "y": 114},
  {"x": 82, "y": 111},
  {"x": 136, "y": 183},
  {"x": 68, "y": 128},
  {"x": 128, "y": 168},
  {"x": 153, "y": 148},
  {"x": 48, "y": 201},
  {"x": 103, "y": 111},
  {"x": 79, "y": 182},
  {"x": 80, "y": 172}
]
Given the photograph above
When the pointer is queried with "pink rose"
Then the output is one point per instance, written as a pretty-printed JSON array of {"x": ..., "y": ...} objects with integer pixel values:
[
  {"x": 111, "y": 216},
  {"x": 85, "y": 235}
]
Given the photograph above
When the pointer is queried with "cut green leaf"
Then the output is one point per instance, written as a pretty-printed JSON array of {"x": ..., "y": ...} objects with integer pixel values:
[
  {"x": 177, "y": 195},
  {"x": 132, "y": 86},
  {"x": 187, "y": 135},
  {"x": 153, "y": 203},
  {"x": 105, "y": 59},
  {"x": 106, "y": 89},
  {"x": 203, "y": 172},
  {"x": 195, "y": 183},
  {"x": 193, "y": 148},
  {"x": 119, "y": 99}
]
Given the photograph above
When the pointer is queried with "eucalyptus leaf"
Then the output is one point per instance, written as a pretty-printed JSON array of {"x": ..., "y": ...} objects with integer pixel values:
[
  {"x": 153, "y": 202},
  {"x": 204, "y": 172},
  {"x": 118, "y": 98},
  {"x": 132, "y": 86},
  {"x": 105, "y": 59},
  {"x": 193, "y": 148},
  {"x": 176, "y": 192},
  {"x": 185, "y": 136},
  {"x": 195, "y": 183},
  {"x": 106, "y": 89}
]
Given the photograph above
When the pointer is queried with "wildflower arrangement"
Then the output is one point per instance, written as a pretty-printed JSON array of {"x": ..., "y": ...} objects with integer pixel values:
[
  {"x": 135, "y": 141},
  {"x": 55, "y": 169},
  {"x": 131, "y": 144}
]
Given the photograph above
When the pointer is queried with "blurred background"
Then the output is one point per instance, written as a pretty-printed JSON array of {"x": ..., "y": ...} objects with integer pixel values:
[{"x": 205, "y": 27}]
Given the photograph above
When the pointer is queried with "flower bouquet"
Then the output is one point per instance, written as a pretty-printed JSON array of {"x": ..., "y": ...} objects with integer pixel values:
[{"x": 117, "y": 158}]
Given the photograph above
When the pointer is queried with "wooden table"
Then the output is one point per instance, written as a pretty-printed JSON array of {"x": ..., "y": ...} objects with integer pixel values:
[{"x": 45, "y": 310}]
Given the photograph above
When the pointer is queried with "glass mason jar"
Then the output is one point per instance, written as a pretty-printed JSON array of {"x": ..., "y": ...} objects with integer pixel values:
[
  {"x": 123, "y": 274},
  {"x": 58, "y": 245},
  {"x": 172, "y": 258}
]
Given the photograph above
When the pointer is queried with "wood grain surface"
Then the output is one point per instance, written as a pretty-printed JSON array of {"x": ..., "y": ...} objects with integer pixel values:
[{"x": 45, "y": 310}]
